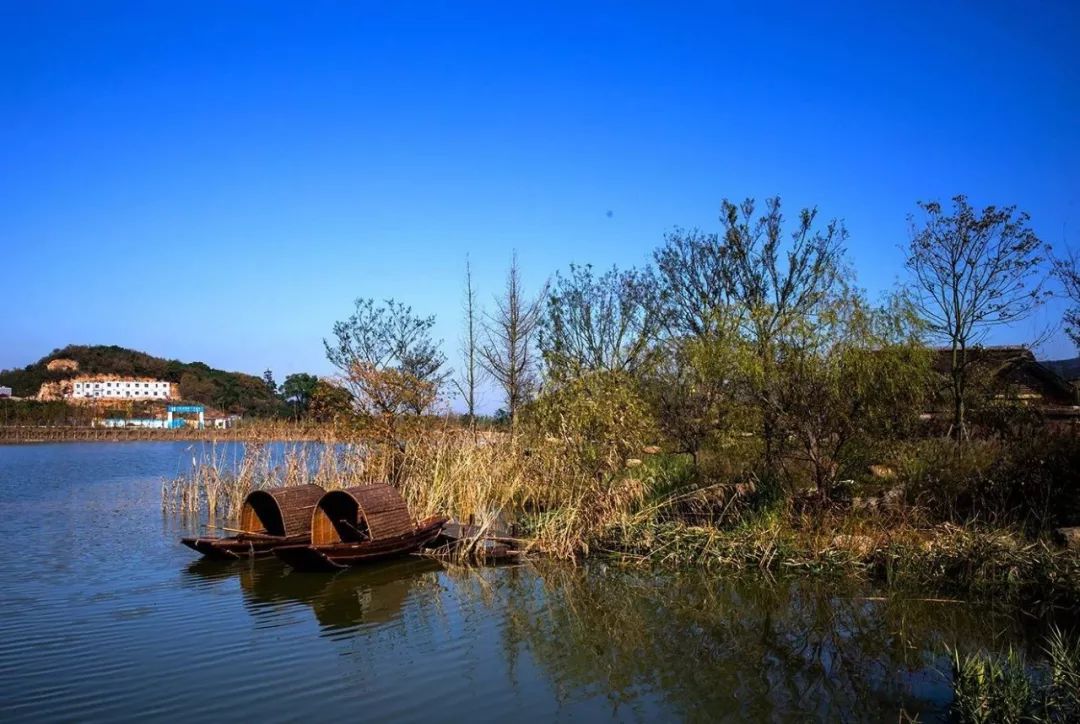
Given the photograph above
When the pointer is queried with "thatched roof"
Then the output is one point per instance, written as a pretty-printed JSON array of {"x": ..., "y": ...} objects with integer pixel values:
[
  {"x": 365, "y": 512},
  {"x": 1012, "y": 365},
  {"x": 280, "y": 511}
]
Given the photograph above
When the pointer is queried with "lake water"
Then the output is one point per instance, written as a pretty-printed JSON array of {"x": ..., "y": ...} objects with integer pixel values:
[{"x": 105, "y": 616}]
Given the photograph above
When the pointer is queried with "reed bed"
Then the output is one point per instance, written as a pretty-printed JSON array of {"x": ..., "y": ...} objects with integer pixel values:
[
  {"x": 220, "y": 477},
  {"x": 497, "y": 481},
  {"x": 648, "y": 512},
  {"x": 501, "y": 482}
]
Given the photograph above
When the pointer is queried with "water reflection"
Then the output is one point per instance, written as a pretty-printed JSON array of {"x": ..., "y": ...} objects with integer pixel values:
[
  {"x": 341, "y": 601},
  {"x": 203, "y": 571},
  {"x": 689, "y": 644},
  {"x": 742, "y": 649}
]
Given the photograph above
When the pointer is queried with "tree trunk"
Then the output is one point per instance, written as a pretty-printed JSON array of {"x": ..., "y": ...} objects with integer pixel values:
[{"x": 958, "y": 430}]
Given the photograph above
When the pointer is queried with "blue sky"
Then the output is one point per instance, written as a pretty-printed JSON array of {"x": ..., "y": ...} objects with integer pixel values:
[{"x": 218, "y": 181}]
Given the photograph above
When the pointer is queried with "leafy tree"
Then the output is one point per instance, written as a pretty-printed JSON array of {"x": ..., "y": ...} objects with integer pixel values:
[
  {"x": 227, "y": 396},
  {"x": 971, "y": 272},
  {"x": 298, "y": 389},
  {"x": 196, "y": 388},
  {"x": 268, "y": 380},
  {"x": 775, "y": 289},
  {"x": 329, "y": 402},
  {"x": 690, "y": 389},
  {"x": 605, "y": 323},
  {"x": 850, "y": 375},
  {"x": 598, "y": 420},
  {"x": 507, "y": 352},
  {"x": 389, "y": 361}
]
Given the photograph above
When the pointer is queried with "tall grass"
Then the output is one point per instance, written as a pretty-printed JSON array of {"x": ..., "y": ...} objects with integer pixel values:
[
  {"x": 1004, "y": 688},
  {"x": 220, "y": 477},
  {"x": 499, "y": 481},
  {"x": 495, "y": 480},
  {"x": 656, "y": 509}
]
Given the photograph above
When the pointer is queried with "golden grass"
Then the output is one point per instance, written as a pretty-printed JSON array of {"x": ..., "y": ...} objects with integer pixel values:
[
  {"x": 493, "y": 479},
  {"x": 221, "y": 477},
  {"x": 647, "y": 513}
]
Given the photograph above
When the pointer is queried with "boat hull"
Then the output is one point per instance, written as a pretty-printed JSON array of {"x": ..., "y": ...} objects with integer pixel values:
[
  {"x": 343, "y": 555},
  {"x": 234, "y": 547}
]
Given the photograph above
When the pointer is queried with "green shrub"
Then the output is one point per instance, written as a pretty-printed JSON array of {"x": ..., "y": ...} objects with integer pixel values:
[
  {"x": 598, "y": 421},
  {"x": 1029, "y": 482}
]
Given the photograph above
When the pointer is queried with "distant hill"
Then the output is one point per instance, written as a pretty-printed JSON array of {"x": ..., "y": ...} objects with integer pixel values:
[
  {"x": 1068, "y": 369},
  {"x": 233, "y": 392}
]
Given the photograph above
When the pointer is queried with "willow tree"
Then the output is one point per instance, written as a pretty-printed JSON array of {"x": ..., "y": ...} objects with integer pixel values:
[
  {"x": 851, "y": 375},
  {"x": 972, "y": 272}
]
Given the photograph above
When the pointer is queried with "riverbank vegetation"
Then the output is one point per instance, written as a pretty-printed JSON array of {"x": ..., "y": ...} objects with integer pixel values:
[
  {"x": 1006, "y": 688},
  {"x": 739, "y": 402}
]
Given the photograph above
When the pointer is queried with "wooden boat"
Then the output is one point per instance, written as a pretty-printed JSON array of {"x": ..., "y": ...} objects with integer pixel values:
[
  {"x": 268, "y": 519},
  {"x": 358, "y": 525}
]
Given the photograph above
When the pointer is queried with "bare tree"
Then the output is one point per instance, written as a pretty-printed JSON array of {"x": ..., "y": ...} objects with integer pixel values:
[
  {"x": 467, "y": 384},
  {"x": 507, "y": 353},
  {"x": 692, "y": 271},
  {"x": 1067, "y": 270},
  {"x": 972, "y": 272}
]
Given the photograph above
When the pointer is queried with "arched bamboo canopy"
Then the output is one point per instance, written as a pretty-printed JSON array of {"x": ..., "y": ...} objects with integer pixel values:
[
  {"x": 280, "y": 511},
  {"x": 366, "y": 512}
]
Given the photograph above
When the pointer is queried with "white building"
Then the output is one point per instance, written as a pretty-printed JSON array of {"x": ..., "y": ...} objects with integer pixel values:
[
  {"x": 116, "y": 389},
  {"x": 114, "y": 422},
  {"x": 5, "y": 391}
]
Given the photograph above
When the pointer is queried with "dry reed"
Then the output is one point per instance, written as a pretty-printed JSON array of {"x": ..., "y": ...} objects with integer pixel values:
[
  {"x": 533, "y": 490},
  {"x": 221, "y": 476}
]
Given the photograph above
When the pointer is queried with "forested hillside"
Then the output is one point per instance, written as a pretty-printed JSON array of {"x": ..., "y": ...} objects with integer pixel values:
[{"x": 233, "y": 392}]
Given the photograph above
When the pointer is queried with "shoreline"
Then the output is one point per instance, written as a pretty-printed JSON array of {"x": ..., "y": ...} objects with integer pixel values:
[{"x": 27, "y": 435}]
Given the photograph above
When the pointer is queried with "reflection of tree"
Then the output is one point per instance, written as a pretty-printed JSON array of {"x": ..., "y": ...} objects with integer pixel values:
[
  {"x": 714, "y": 648},
  {"x": 686, "y": 645}
]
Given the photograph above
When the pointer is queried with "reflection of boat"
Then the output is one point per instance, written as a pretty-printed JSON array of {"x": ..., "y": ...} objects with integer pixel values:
[
  {"x": 374, "y": 594},
  {"x": 202, "y": 571},
  {"x": 359, "y": 525},
  {"x": 268, "y": 518}
]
